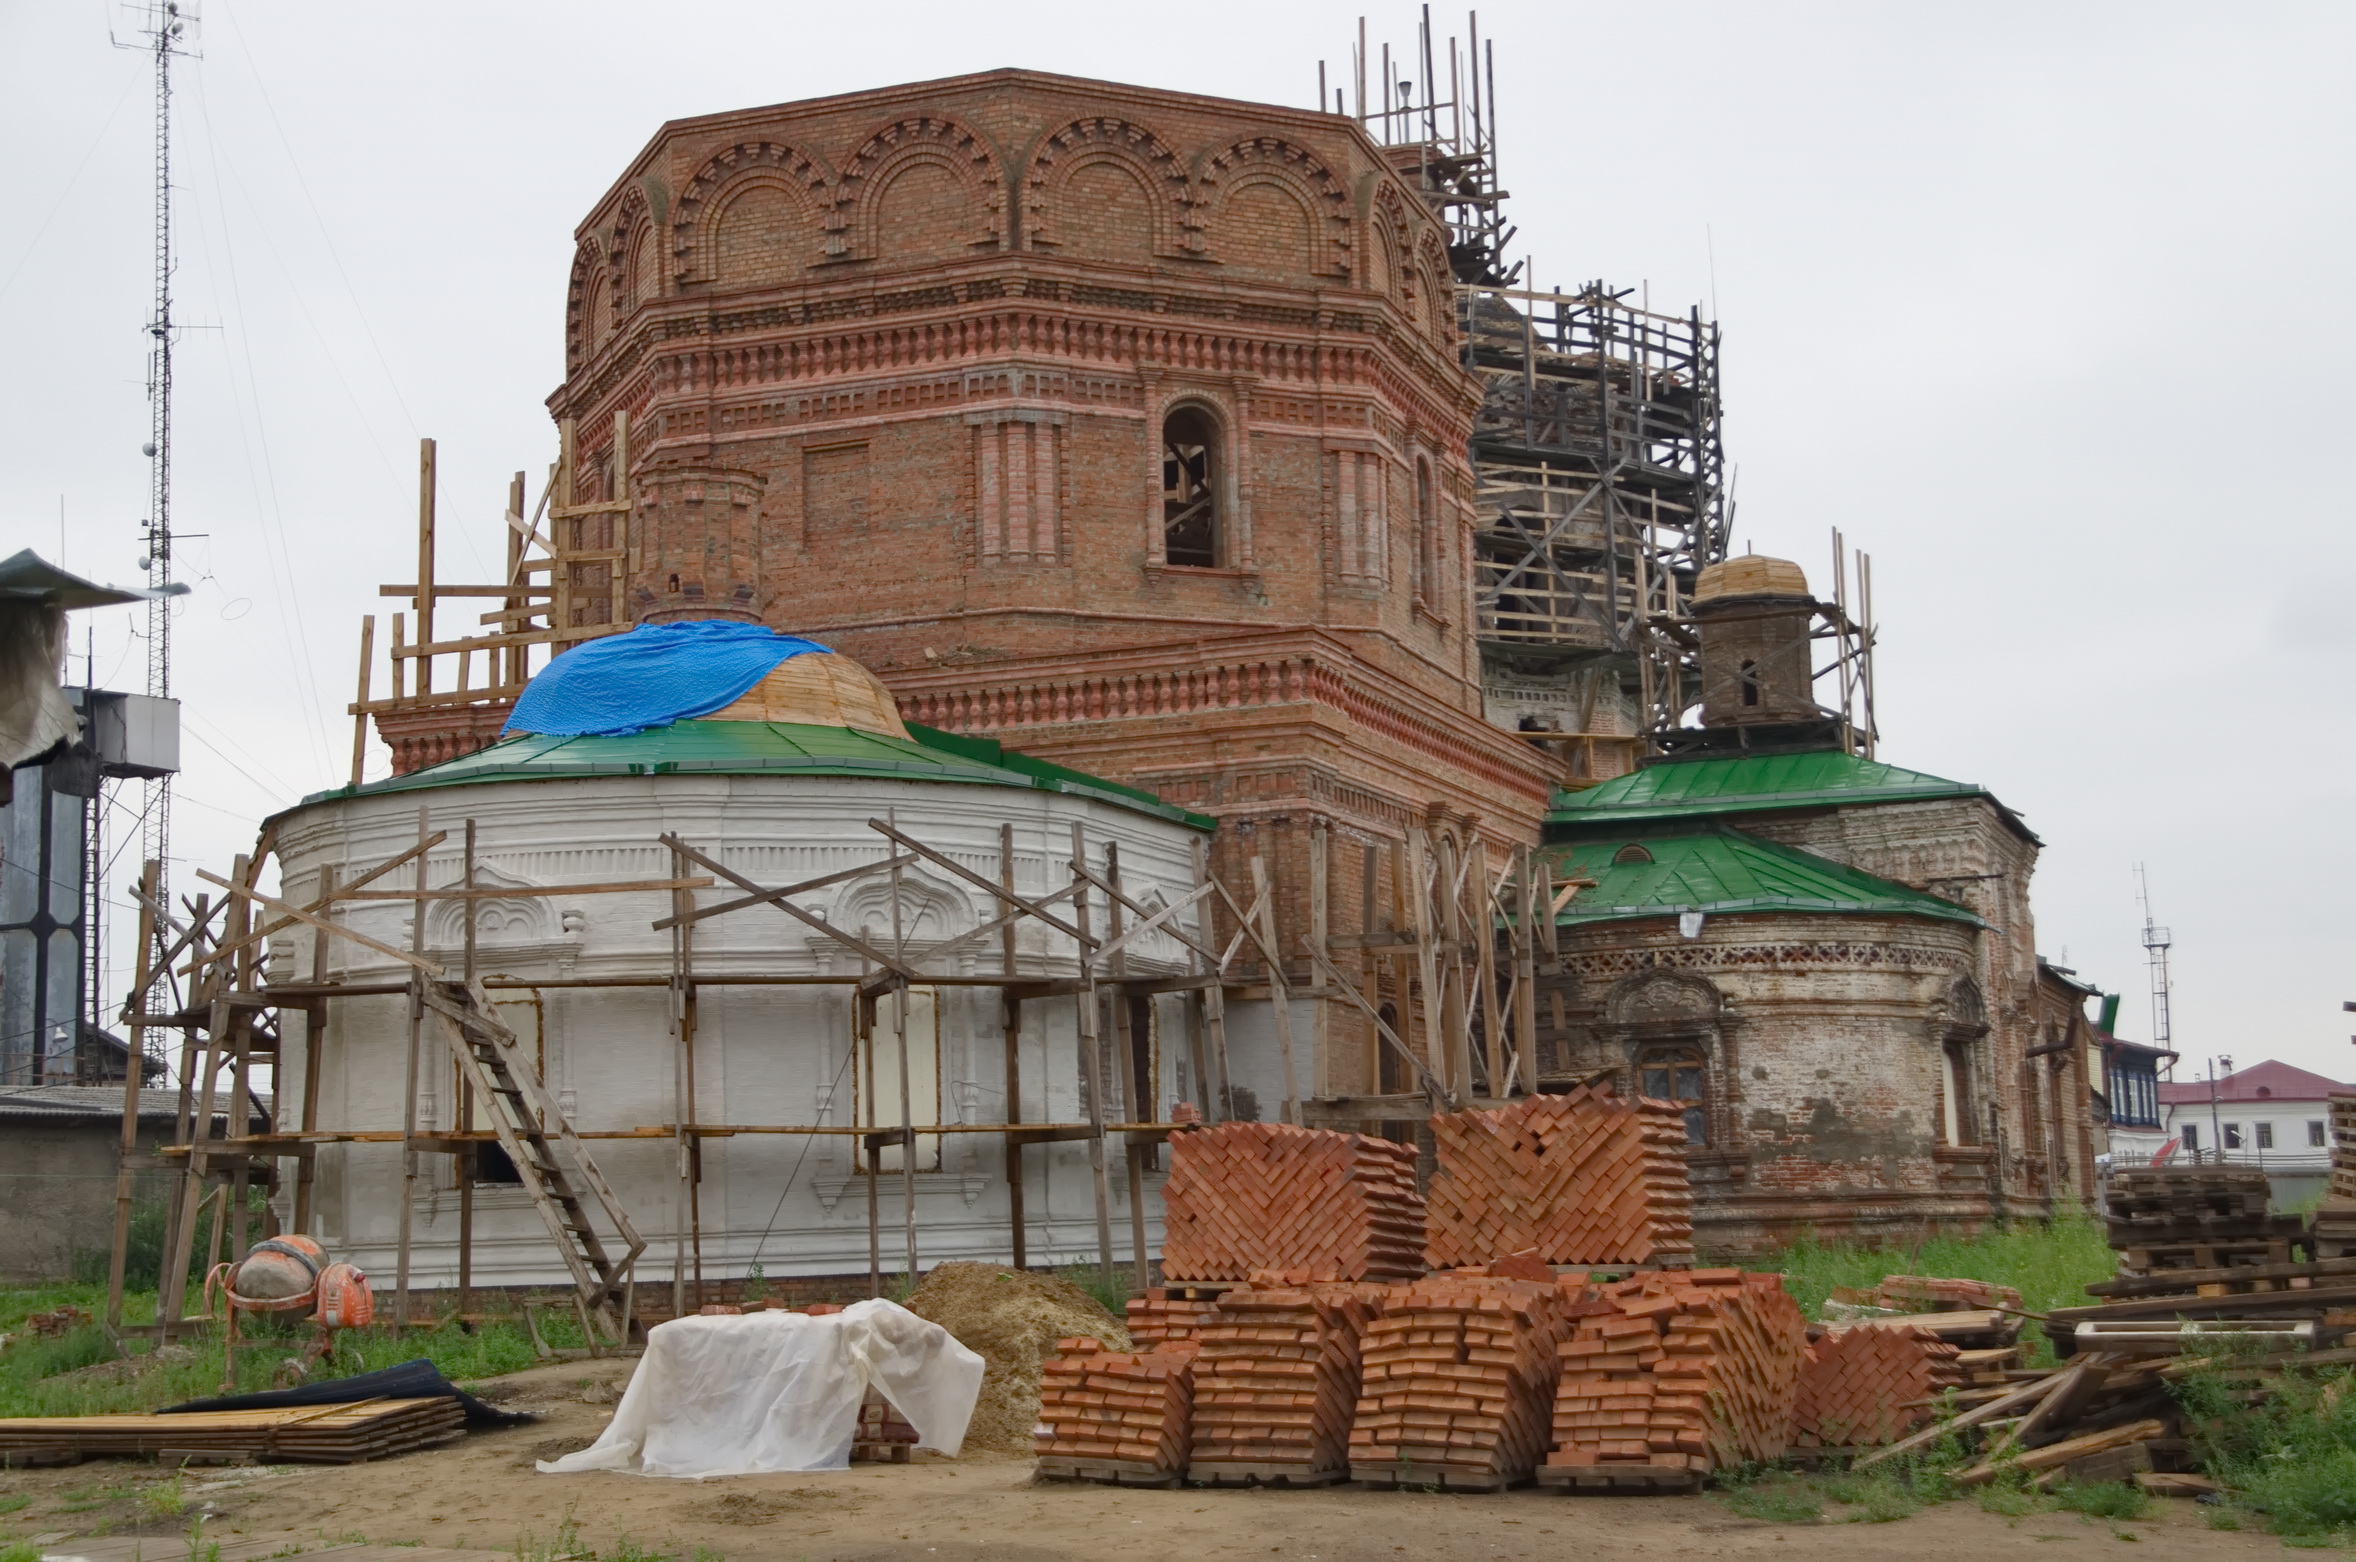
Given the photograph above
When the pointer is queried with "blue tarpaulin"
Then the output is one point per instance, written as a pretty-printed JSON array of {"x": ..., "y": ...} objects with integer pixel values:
[{"x": 650, "y": 677}]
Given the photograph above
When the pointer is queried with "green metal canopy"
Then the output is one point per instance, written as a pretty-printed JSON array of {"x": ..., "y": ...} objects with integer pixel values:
[
  {"x": 1723, "y": 871},
  {"x": 770, "y": 748},
  {"x": 1695, "y": 789}
]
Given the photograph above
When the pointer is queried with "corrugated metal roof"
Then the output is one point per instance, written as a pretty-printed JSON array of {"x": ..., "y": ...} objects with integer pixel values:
[
  {"x": 770, "y": 748},
  {"x": 1700, "y": 788},
  {"x": 87, "y": 1103},
  {"x": 2267, "y": 1081},
  {"x": 1722, "y": 872}
]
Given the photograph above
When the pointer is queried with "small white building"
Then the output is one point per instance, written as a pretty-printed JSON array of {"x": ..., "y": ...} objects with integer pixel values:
[
  {"x": 2269, "y": 1114},
  {"x": 779, "y": 787}
]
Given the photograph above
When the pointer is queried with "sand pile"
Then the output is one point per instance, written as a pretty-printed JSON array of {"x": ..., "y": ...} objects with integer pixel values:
[{"x": 1013, "y": 1319}]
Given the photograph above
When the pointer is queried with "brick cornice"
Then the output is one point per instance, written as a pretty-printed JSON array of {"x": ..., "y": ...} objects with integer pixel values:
[{"x": 1155, "y": 683}]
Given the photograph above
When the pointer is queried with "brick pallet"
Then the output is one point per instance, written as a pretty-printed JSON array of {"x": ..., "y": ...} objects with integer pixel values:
[
  {"x": 1115, "y": 1417},
  {"x": 1860, "y": 1388},
  {"x": 1276, "y": 1385},
  {"x": 1159, "y": 1316},
  {"x": 1457, "y": 1384},
  {"x": 1682, "y": 1375},
  {"x": 1582, "y": 1178},
  {"x": 1251, "y": 1196}
]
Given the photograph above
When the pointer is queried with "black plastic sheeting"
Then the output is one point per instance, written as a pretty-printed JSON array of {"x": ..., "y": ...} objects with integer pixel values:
[{"x": 419, "y": 1379}]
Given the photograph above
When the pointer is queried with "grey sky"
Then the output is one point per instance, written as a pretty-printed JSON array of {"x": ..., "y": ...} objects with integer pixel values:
[{"x": 2044, "y": 305}]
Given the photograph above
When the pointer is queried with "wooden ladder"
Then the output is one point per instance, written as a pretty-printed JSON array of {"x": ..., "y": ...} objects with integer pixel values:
[{"x": 531, "y": 1127}]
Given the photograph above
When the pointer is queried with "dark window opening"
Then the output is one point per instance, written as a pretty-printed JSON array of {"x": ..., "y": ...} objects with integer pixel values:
[
  {"x": 493, "y": 1167},
  {"x": 1390, "y": 1069},
  {"x": 2135, "y": 1093},
  {"x": 2315, "y": 1139},
  {"x": 1427, "y": 534},
  {"x": 1750, "y": 683},
  {"x": 2265, "y": 1136},
  {"x": 1632, "y": 853},
  {"x": 1190, "y": 489},
  {"x": 1678, "y": 1075},
  {"x": 674, "y": 585},
  {"x": 2233, "y": 1136},
  {"x": 2190, "y": 1137}
]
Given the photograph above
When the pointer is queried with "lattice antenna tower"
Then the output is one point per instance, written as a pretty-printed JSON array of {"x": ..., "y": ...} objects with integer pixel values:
[
  {"x": 164, "y": 30},
  {"x": 2156, "y": 943}
]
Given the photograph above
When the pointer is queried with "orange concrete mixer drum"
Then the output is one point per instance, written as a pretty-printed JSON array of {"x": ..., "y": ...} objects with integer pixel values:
[
  {"x": 279, "y": 1274},
  {"x": 345, "y": 1302}
]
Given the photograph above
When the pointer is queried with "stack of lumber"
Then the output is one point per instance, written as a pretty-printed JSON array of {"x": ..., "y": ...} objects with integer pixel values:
[
  {"x": 1583, "y": 1178},
  {"x": 2097, "y": 1418},
  {"x": 307, "y": 1434},
  {"x": 1276, "y": 1385},
  {"x": 1937, "y": 1293},
  {"x": 1160, "y": 1315},
  {"x": 1117, "y": 1417},
  {"x": 1683, "y": 1374},
  {"x": 1972, "y": 1329},
  {"x": 1247, "y": 1196},
  {"x": 1457, "y": 1383},
  {"x": 2194, "y": 1217},
  {"x": 2334, "y": 1231},
  {"x": 1863, "y": 1387}
]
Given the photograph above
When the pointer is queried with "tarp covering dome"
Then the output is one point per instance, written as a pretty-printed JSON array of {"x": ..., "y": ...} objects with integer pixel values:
[{"x": 654, "y": 675}]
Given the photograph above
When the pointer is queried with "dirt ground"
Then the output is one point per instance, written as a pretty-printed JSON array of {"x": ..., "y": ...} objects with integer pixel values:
[{"x": 483, "y": 1493}]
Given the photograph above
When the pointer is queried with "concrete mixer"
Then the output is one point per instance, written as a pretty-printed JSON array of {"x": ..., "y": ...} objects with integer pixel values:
[{"x": 289, "y": 1274}]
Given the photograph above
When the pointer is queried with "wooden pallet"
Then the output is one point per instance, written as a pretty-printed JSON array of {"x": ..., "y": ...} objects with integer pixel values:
[
  {"x": 2159, "y": 1257},
  {"x": 2240, "y": 1277},
  {"x": 1231, "y": 1473},
  {"x": 1198, "y": 1290},
  {"x": 1660, "y": 1478},
  {"x": 881, "y": 1453},
  {"x": 1110, "y": 1472},
  {"x": 1402, "y": 1476}
]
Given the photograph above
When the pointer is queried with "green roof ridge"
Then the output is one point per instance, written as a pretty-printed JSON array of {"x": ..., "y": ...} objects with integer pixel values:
[
  {"x": 1751, "y": 783},
  {"x": 1723, "y": 871},
  {"x": 706, "y": 747}
]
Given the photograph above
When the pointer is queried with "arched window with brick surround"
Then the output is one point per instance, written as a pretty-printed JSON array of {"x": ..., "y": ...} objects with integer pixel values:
[
  {"x": 1192, "y": 477},
  {"x": 1681, "y": 1075}
]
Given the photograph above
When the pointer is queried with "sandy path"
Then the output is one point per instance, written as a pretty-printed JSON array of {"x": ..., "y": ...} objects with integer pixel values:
[{"x": 484, "y": 1493}]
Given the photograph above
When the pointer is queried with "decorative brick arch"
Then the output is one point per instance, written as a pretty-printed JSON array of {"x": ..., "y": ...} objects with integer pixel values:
[
  {"x": 1432, "y": 262},
  {"x": 970, "y": 159},
  {"x": 588, "y": 274},
  {"x": 1270, "y": 158},
  {"x": 1087, "y": 142},
  {"x": 634, "y": 254},
  {"x": 695, "y": 215},
  {"x": 1391, "y": 238}
]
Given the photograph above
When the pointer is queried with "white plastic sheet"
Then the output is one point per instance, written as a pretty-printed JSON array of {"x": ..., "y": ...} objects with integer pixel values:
[{"x": 781, "y": 1391}]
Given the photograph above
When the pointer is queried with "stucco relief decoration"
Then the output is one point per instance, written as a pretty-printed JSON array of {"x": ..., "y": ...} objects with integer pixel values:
[
  {"x": 1267, "y": 155},
  {"x": 1178, "y": 217},
  {"x": 699, "y": 204},
  {"x": 930, "y": 910},
  {"x": 525, "y": 924},
  {"x": 1961, "y": 1010},
  {"x": 944, "y": 141},
  {"x": 1662, "y": 996}
]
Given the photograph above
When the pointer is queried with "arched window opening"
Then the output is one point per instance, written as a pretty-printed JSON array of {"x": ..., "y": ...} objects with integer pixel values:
[
  {"x": 1427, "y": 533},
  {"x": 1632, "y": 852},
  {"x": 1678, "y": 1074},
  {"x": 1750, "y": 683},
  {"x": 1190, "y": 489},
  {"x": 1955, "y": 1104}
]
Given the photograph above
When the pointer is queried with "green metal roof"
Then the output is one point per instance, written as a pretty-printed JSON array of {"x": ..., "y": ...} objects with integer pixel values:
[
  {"x": 769, "y": 748},
  {"x": 1752, "y": 783},
  {"x": 1723, "y": 871}
]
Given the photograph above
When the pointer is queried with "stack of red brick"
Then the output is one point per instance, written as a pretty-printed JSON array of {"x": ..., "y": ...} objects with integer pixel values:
[
  {"x": 1276, "y": 1385},
  {"x": 1680, "y": 1374},
  {"x": 1582, "y": 1178},
  {"x": 1860, "y": 1388},
  {"x": 1126, "y": 1411},
  {"x": 1158, "y": 1317},
  {"x": 1457, "y": 1383},
  {"x": 1248, "y": 1196}
]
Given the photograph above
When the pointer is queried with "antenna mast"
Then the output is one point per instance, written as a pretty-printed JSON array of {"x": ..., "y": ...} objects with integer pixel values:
[
  {"x": 164, "y": 33},
  {"x": 2156, "y": 941}
]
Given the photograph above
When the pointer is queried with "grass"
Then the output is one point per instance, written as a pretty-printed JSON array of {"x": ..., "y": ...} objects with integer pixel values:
[
  {"x": 2049, "y": 1263},
  {"x": 38, "y": 1377},
  {"x": 2289, "y": 1462},
  {"x": 1110, "y": 1288}
]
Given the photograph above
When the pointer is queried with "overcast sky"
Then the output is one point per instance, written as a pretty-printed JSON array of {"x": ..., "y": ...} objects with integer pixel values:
[{"x": 2045, "y": 305}]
